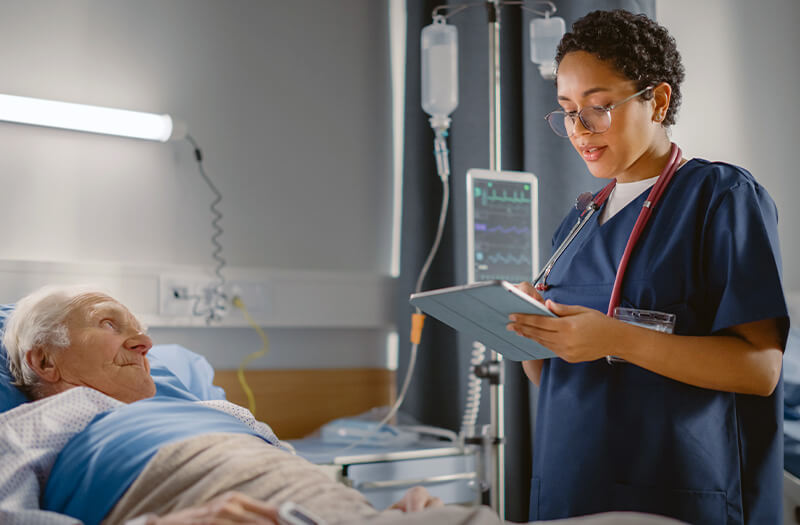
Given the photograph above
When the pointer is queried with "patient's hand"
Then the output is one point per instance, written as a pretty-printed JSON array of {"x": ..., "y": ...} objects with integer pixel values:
[
  {"x": 417, "y": 498},
  {"x": 231, "y": 507}
]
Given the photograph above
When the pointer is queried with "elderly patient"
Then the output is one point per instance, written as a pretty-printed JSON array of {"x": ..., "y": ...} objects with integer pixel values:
[{"x": 148, "y": 454}]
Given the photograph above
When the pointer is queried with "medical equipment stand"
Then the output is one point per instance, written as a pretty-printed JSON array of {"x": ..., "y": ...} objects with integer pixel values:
[
  {"x": 496, "y": 390},
  {"x": 493, "y": 370}
]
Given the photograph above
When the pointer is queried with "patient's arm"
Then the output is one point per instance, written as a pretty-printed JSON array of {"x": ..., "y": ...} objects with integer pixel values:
[
  {"x": 232, "y": 507},
  {"x": 235, "y": 507}
]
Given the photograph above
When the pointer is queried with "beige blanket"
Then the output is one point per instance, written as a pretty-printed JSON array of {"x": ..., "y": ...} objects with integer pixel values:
[{"x": 195, "y": 471}]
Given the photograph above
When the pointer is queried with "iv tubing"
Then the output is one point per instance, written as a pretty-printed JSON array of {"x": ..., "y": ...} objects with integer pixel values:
[{"x": 443, "y": 169}]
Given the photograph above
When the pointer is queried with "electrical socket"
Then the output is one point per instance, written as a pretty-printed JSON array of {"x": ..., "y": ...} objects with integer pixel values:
[
  {"x": 256, "y": 296},
  {"x": 178, "y": 294}
]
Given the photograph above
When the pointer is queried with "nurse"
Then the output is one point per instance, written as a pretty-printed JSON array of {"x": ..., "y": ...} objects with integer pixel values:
[{"x": 686, "y": 424}]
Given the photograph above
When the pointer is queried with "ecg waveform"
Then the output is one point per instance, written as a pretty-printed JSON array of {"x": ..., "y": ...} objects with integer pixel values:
[
  {"x": 481, "y": 227},
  {"x": 508, "y": 259},
  {"x": 490, "y": 196},
  {"x": 502, "y": 230}
]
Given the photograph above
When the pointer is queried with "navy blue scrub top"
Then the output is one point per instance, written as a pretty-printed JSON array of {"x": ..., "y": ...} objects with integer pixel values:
[{"x": 618, "y": 437}]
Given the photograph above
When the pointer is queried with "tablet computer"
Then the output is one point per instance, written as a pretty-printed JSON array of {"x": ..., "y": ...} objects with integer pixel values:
[{"x": 481, "y": 311}]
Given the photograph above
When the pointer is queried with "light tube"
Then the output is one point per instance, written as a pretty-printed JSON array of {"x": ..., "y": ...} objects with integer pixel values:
[{"x": 81, "y": 117}]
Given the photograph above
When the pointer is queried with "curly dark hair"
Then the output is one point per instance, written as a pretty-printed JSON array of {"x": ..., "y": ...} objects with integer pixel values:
[{"x": 639, "y": 48}]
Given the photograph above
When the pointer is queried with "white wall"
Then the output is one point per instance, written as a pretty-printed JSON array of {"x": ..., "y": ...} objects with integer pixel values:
[
  {"x": 740, "y": 103},
  {"x": 291, "y": 102}
]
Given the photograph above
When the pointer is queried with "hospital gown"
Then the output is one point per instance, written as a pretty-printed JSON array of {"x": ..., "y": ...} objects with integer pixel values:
[{"x": 33, "y": 434}]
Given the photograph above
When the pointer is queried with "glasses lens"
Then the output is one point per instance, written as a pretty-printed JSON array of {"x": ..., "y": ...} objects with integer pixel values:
[
  {"x": 596, "y": 120},
  {"x": 560, "y": 123}
]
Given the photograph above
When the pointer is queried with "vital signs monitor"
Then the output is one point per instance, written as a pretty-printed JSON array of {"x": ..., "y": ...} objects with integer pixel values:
[
  {"x": 502, "y": 226},
  {"x": 502, "y": 248}
]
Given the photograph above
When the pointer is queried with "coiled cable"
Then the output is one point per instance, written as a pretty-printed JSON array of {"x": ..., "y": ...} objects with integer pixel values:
[
  {"x": 474, "y": 384},
  {"x": 213, "y": 303}
]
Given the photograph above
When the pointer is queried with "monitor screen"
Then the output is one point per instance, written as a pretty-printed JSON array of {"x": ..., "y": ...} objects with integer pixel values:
[{"x": 502, "y": 226}]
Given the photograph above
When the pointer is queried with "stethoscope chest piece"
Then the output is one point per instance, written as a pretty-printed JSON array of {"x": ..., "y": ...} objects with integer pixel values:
[{"x": 583, "y": 200}]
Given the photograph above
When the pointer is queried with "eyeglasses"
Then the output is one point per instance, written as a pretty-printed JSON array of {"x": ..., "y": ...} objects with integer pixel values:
[{"x": 596, "y": 119}]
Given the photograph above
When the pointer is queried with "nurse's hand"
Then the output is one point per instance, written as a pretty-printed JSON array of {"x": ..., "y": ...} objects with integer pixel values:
[
  {"x": 578, "y": 334},
  {"x": 529, "y": 289}
]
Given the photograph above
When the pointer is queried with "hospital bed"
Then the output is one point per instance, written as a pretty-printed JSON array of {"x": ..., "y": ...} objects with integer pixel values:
[{"x": 285, "y": 400}]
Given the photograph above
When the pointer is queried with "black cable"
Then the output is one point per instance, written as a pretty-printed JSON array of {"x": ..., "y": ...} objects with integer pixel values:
[{"x": 216, "y": 298}]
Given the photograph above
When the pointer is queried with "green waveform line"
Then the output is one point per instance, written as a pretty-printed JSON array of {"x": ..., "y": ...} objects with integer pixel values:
[{"x": 515, "y": 199}]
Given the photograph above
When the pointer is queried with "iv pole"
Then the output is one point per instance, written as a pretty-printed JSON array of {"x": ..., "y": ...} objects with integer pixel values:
[
  {"x": 494, "y": 369},
  {"x": 497, "y": 496}
]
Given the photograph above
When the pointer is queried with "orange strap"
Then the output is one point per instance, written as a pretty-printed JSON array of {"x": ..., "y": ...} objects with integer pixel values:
[{"x": 417, "y": 320}]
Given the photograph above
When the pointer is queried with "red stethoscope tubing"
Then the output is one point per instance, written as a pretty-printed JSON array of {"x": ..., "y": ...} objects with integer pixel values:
[
  {"x": 644, "y": 215},
  {"x": 653, "y": 197}
]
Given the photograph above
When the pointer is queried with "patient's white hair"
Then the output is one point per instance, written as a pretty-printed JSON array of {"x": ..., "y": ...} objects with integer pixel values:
[{"x": 39, "y": 320}]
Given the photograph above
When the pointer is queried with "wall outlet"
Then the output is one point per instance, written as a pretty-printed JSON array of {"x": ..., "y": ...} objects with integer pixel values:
[{"x": 178, "y": 295}]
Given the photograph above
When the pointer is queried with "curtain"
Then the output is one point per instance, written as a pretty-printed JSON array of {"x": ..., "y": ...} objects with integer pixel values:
[{"x": 438, "y": 389}]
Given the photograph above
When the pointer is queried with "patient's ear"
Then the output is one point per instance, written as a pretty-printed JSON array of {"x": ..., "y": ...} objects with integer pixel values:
[{"x": 42, "y": 363}]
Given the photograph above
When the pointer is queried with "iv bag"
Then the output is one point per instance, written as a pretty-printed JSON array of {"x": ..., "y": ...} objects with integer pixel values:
[
  {"x": 439, "y": 47},
  {"x": 545, "y": 35}
]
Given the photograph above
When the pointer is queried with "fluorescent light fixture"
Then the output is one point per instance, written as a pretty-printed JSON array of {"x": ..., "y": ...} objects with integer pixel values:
[{"x": 93, "y": 119}]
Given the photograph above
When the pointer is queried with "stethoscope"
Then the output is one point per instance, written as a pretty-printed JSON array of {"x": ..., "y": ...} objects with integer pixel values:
[{"x": 590, "y": 205}]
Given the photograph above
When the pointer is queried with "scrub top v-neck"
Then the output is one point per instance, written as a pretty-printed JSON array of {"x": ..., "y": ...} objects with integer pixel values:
[{"x": 619, "y": 437}]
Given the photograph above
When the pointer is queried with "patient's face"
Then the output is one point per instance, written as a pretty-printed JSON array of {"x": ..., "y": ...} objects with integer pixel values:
[{"x": 107, "y": 351}]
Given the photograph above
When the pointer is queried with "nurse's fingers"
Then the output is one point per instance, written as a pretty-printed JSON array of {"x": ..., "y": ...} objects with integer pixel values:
[
  {"x": 564, "y": 310},
  {"x": 541, "y": 322},
  {"x": 529, "y": 289},
  {"x": 544, "y": 337}
]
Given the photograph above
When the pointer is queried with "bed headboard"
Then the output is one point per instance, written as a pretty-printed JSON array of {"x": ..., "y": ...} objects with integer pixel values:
[{"x": 296, "y": 402}]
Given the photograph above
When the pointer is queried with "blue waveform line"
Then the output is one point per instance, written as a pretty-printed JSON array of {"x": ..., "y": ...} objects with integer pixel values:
[
  {"x": 509, "y": 259},
  {"x": 511, "y": 229},
  {"x": 504, "y": 277}
]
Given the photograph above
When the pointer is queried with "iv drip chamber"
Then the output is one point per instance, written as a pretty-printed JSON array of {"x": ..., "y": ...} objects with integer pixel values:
[
  {"x": 439, "y": 48},
  {"x": 545, "y": 35}
]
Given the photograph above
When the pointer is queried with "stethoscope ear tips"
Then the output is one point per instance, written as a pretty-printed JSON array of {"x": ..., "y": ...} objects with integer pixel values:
[{"x": 541, "y": 287}]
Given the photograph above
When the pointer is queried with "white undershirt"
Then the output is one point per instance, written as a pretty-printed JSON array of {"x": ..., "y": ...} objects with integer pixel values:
[{"x": 622, "y": 195}]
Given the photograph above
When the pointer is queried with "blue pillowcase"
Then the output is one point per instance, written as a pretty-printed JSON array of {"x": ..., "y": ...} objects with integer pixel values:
[
  {"x": 10, "y": 396},
  {"x": 177, "y": 372}
]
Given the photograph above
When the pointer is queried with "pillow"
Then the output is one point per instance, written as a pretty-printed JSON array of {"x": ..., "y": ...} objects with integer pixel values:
[
  {"x": 192, "y": 371},
  {"x": 175, "y": 370},
  {"x": 10, "y": 396}
]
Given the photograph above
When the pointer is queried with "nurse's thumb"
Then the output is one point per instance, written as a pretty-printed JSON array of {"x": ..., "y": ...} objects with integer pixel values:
[{"x": 562, "y": 310}]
